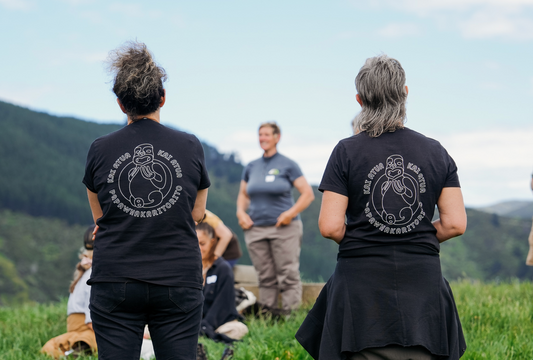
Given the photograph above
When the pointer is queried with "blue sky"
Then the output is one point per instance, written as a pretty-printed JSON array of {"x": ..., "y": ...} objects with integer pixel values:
[{"x": 234, "y": 64}]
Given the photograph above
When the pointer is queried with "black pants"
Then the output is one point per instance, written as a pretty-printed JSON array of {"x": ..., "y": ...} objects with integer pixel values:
[
  {"x": 394, "y": 352},
  {"x": 120, "y": 311}
]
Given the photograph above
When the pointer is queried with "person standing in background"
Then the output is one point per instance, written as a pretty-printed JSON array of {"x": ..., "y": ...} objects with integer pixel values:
[
  {"x": 529, "y": 260},
  {"x": 270, "y": 219}
]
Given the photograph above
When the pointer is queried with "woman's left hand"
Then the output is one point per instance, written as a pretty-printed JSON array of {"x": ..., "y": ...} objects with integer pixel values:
[{"x": 285, "y": 218}]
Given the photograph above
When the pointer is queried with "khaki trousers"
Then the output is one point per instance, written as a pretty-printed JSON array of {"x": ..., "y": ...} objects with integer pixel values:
[
  {"x": 529, "y": 260},
  {"x": 77, "y": 331},
  {"x": 275, "y": 253}
]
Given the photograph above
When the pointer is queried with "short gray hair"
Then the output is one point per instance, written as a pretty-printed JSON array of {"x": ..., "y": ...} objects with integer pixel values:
[{"x": 381, "y": 88}]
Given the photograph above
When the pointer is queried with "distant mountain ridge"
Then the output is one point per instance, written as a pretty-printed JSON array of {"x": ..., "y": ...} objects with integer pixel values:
[
  {"x": 42, "y": 158},
  {"x": 512, "y": 208},
  {"x": 44, "y": 211}
]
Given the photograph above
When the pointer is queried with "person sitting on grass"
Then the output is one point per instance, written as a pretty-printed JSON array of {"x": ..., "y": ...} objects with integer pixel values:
[
  {"x": 79, "y": 338},
  {"x": 220, "y": 319}
]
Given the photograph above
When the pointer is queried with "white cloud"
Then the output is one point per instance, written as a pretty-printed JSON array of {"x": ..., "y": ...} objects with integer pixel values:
[
  {"x": 495, "y": 23},
  {"x": 508, "y": 19},
  {"x": 490, "y": 85},
  {"x": 134, "y": 11},
  {"x": 494, "y": 165},
  {"x": 64, "y": 57},
  {"x": 77, "y": 2},
  {"x": 397, "y": 30},
  {"x": 16, "y": 4},
  {"x": 310, "y": 154},
  {"x": 24, "y": 96}
]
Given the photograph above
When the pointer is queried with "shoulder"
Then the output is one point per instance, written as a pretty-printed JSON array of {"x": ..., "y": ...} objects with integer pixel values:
[
  {"x": 109, "y": 138},
  {"x": 253, "y": 163},
  {"x": 222, "y": 267},
  {"x": 285, "y": 160},
  {"x": 420, "y": 137},
  {"x": 181, "y": 134}
]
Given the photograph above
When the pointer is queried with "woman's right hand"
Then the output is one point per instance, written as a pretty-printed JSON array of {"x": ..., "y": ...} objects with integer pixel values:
[{"x": 245, "y": 221}]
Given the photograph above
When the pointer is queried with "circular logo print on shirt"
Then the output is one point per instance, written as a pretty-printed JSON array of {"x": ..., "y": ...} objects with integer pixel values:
[
  {"x": 145, "y": 181},
  {"x": 394, "y": 190},
  {"x": 148, "y": 181}
]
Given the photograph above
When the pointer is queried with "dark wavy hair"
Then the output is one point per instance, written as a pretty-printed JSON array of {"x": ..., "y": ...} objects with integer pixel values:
[{"x": 138, "y": 80}]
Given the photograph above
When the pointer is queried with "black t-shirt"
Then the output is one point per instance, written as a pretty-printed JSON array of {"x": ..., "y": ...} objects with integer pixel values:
[
  {"x": 392, "y": 183},
  {"x": 147, "y": 177}
]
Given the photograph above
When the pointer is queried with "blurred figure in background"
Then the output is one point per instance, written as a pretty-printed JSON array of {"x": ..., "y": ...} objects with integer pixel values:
[
  {"x": 227, "y": 246},
  {"x": 79, "y": 339},
  {"x": 220, "y": 319},
  {"x": 529, "y": 260},
  {"x": 271, "y": 222}
]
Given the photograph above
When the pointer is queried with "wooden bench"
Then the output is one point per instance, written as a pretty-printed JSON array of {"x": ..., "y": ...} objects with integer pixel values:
[{"x": 246, "y": 277}]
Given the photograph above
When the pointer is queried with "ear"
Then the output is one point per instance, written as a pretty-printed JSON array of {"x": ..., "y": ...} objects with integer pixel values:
[
  {"x": 163, "y": 98},
  {"x": 121, "y": 106},
  {"x": 359, "y": 100}
]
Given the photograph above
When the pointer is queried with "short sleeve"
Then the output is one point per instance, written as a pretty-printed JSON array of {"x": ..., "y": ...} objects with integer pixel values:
[
  {"x": 88, "y": 178},
  {"x": 204, "y": 176},
  {"x": 294, "y": 172},
  {"x": 452, "y": 179},
  {"x": 335, "y": 176},
  {"x": 246, "y": 173}
]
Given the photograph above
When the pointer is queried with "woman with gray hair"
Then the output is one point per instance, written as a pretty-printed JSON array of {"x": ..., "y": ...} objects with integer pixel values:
[
  {"x": 147, "y": 185},
  {"x": 387, "y": 298}
]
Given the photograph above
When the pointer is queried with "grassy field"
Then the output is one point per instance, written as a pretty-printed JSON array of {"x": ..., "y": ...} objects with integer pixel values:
[{"x": 496, "y": 318}]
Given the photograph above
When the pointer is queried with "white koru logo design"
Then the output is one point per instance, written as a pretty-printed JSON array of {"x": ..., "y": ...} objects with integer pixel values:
[
  {"x": 145, "y": 181},
  {"x": 395, "y": 195}
]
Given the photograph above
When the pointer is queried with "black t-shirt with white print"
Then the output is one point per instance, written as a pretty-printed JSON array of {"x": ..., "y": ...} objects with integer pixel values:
[
  {"x": 392, "y": 183},
  {"x": 147, "y": 177}
]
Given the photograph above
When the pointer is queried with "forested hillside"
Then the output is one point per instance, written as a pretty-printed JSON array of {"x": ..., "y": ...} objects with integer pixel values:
[
  {"x": 44, "y": 212},
  {"x": 44, "y": 209}
]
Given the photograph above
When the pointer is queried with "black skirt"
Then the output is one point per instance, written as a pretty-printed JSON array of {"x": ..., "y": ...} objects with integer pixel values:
[{"x": 393, "y": 294}]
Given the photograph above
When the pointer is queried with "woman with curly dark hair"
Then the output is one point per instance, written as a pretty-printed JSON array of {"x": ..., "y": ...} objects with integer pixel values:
[{"x": 147, "y": 185}]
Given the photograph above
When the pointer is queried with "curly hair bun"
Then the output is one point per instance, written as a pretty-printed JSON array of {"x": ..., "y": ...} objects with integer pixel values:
[{"x": 138, "y": 80}]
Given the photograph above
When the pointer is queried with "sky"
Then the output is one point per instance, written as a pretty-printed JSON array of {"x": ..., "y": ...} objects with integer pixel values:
[{"x": 234, "y": 64}]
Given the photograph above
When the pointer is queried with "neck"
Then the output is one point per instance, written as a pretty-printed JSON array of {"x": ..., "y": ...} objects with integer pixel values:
[
  {"x": 270, "y": 152},
  {"x": 152, "y": 116}
]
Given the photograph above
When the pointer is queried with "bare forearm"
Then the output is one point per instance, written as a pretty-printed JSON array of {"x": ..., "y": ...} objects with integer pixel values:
[
  {"x": 224, "y": 237},
  {"x": 198, "y": 210},
  {"x": 447, "y": 232},
  {"x": 452, "y": 213},
  {"x": 96, "y": 209},
  {"x": 332, "y": 214},
  {"x": 336, "y": 234},
  {"x": 302, "y": 203},
  {"x": 243, "y": 202}
]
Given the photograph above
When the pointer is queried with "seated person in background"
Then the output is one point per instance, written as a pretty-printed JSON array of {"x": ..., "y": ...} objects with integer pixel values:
[
  {"x": 220, "y": 319},
  {"x": 79, "y": 338},
  {"x": 227, "y": 245}
]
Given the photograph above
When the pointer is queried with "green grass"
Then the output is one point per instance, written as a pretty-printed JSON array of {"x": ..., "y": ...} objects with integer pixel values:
[{"x": 496, "y": 318}]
